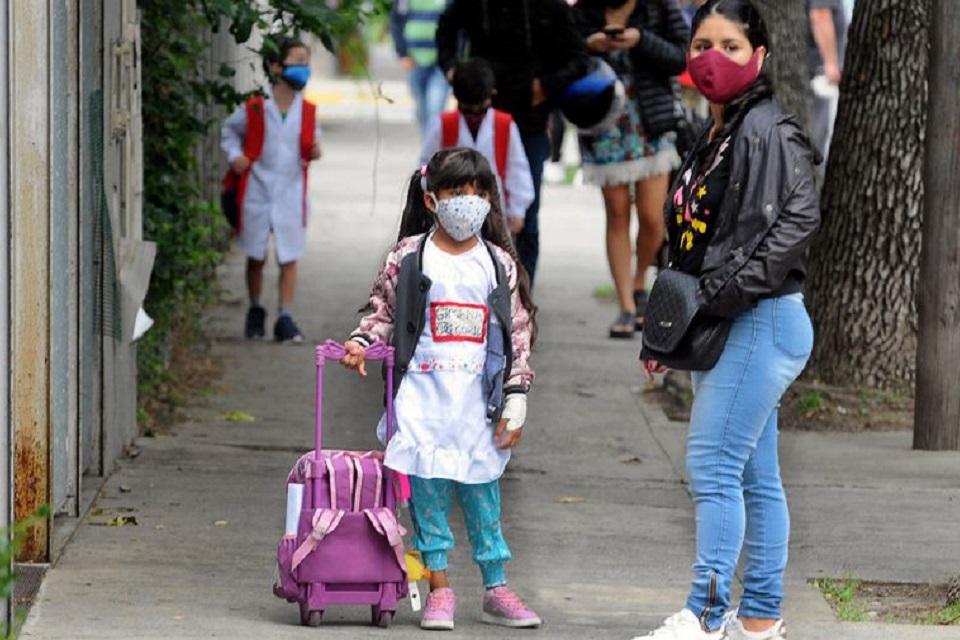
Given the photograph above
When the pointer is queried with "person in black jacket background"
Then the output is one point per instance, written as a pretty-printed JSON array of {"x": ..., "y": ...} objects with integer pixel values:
[
  {"x": 645, "y": 42},
  {"x": 742, "y": 214},
  {"x": 535, "y": 52}
]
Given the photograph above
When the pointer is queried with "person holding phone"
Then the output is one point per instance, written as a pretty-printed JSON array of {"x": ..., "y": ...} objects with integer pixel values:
[
  {"x": 645, "y": 42},
  {"x": 535, "y": 52}
]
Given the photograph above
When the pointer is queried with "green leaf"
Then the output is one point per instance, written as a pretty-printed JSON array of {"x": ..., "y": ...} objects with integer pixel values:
[{"x": 238, "y": 416}]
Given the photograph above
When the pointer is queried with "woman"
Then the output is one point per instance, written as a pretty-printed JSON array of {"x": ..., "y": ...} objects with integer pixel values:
[
  {"x": 643, "y": 40},
  {"x": 741, "y": 215}
]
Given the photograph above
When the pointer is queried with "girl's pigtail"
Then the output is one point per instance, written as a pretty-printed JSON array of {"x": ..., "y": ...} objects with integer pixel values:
[{"x": 416, "y": 217}]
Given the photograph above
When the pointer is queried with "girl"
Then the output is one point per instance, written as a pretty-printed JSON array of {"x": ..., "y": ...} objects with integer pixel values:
[
  {"x": 454, "y": 302},
  {"x": 644, "y": 41},
  {"x": 275, "y": 194},
  {"x": 743, "y": 212}
]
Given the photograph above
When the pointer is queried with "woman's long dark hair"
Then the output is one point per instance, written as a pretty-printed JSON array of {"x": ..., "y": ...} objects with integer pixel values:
[
  {"x": 743, "y": 13},
  {"x": 452, "y": 168}
]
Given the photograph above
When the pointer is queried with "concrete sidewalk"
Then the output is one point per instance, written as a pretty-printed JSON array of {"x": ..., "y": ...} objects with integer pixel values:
[{"x": 611, "y": 563}]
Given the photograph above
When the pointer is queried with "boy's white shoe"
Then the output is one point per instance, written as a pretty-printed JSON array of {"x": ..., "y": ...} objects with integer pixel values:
[
  {"x": 682, "y": 626},
  {"x": 735, "y": 631}
]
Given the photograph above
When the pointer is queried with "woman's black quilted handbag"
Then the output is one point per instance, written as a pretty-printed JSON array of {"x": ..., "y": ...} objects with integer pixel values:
[{"x": 675, "y": 333}]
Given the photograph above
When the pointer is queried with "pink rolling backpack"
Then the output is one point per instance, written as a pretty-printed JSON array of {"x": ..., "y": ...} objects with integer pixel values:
[{"x": 348, "y": 547}]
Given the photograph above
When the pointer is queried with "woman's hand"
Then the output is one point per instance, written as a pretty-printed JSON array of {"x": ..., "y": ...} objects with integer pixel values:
[
  {"x": 652, "y": 368},
  {"x": 599, "y": 42},
  {"x": 626, "y": 40},
  {"x": 356, "y": 357},
  {"x": 316, "y": 151},
  {"x": 538, "y": 96}
]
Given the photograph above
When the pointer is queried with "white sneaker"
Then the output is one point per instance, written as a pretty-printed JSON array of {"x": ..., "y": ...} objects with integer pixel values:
[
  {"x": 682, "y": 626},
  {"x": 554, "y": 173},
  {"x": 735, "y": 631}
]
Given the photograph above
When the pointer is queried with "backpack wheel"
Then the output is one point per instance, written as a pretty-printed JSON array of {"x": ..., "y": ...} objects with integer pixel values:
[
  {"x": 310, "y": 618},
  {"x": 380, "y": 617}
]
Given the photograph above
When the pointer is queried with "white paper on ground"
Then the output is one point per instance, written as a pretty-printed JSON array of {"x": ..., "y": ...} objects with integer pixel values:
[{"x": 294, "y": 503}]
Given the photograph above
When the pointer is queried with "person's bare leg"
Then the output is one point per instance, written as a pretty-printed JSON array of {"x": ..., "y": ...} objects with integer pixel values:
[
  {"x": 756, "y": 625},
  {"x": 288, "y": 284},
  {"x": 254, "y": 280},
  {"x": 438, "y": 580},
  {"x": 616, "y": 200},
  {"x": 650, "y": 195}
]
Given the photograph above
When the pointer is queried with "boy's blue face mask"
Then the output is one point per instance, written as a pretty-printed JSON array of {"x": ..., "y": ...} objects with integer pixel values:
[{"x": 296, "y": 76}]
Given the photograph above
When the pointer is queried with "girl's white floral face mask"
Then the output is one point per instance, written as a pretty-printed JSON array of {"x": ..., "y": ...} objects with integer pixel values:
[{"x": 462, "y": 216}]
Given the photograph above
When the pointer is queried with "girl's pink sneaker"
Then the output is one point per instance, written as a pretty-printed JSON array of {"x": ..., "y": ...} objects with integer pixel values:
[
  {"x": 501, "y": 606},
  {"x": 438, "y": 614}
]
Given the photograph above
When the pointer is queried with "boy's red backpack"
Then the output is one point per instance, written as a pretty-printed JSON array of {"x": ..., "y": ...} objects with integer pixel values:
[
  {"x": 235, "y": 185},
  {"x": 450, "y": 128}
]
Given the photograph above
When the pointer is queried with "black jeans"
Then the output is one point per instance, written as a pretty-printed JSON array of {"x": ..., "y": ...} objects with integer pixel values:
[{"x": 537, "y": 148}]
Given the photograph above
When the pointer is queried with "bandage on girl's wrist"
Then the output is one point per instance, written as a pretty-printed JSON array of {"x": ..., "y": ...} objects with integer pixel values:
[{"x": 361, "y": 339}]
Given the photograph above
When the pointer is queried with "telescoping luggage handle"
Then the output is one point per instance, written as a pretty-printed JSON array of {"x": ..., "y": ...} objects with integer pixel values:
[{"x": 333, "y": 350}]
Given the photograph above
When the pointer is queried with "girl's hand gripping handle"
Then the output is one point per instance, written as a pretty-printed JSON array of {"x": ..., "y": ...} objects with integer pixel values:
[{"x": 355, "y": 357}]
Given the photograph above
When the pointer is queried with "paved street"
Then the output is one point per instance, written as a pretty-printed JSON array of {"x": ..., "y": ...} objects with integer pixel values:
[{"x": 610, "y": 563}]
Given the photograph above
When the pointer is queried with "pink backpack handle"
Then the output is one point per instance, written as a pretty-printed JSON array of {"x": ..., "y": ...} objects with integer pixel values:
[
  {"x": 379, "y": 350},
  {"x": 333, "y": 350}
]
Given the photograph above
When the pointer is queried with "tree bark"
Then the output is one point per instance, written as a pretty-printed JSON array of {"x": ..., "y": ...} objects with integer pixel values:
[
  {"x": 864, "y": 265},
  {"x": 787, "y": 23},
  {"x": 937, "y": 421}
]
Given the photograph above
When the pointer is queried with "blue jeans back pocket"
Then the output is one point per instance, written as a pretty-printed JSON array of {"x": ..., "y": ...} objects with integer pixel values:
[{"x": 792, "y": 329}]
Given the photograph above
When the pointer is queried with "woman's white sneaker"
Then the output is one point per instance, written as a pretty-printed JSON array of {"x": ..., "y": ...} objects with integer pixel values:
[
  {"x": 735, "y": 631},
  {"x": 682, "y": 626}
]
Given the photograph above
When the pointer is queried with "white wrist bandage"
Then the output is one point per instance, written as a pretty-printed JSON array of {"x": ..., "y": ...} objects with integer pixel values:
[{"x": 515, "y": 411}]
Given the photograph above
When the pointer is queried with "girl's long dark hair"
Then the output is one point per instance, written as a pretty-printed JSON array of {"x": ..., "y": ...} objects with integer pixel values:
[
  {"x": 745, "y": 14},
  {"x": 452, "y": 168}
]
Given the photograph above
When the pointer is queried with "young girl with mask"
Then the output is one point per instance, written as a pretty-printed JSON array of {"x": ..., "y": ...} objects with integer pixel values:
[
  {"x": 455, "y": 304},
  {"x": 274, "y": 196},
  {"x": 740, "y": 217}
]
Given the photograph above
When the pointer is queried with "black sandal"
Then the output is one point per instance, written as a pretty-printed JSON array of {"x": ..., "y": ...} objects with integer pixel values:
[
  {"x": 623, "y": 326},
  {"x": 639, "y": 299}
]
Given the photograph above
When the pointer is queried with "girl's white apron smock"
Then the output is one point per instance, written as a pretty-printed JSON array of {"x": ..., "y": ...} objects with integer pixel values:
[
  {"x": 274, "y": 199},
  {"x": 442, "y": 430}
]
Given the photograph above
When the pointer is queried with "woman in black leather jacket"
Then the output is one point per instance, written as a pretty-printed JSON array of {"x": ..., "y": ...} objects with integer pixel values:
[{"x": 741, "y": 216}]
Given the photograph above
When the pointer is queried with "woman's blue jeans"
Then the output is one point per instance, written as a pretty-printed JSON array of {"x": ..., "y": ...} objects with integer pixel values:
[{"x": 732, "y": 461}]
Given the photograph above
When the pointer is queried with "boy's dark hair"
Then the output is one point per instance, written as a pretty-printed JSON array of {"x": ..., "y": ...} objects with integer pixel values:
[
  {"x": 456, "y": 167},
  {"x": 276, "y": 49},
  {"x": 473, "y": 81}
]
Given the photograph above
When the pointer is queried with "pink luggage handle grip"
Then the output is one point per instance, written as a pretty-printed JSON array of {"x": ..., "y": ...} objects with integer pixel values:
[{"x": 379, "y": 350}]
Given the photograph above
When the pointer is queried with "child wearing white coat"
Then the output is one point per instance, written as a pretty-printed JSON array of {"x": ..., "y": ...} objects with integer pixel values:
[
  {"x": 473, "y": 87},
  {"x": 274, "y": 196},
  {"x": 455, "y": 304}
]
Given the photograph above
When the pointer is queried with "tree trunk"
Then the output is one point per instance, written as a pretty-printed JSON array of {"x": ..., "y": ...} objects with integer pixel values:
[
  {"x": 787, "y": 23},
  {"x": 864, "y": 264},
  {"x": 937, "y": 422}
]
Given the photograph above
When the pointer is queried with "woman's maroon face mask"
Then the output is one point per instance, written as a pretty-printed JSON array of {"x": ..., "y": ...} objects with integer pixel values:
[{"x": 719, "y": 78}]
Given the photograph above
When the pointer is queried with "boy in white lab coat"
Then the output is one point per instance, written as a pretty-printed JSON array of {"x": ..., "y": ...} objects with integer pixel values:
[
  {"x": 270, "y": 155},
  {"x": 476, "y": 125}
]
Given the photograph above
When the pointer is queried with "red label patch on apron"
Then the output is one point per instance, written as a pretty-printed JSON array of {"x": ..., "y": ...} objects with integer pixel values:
[{"x": 453, "y": 322}]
